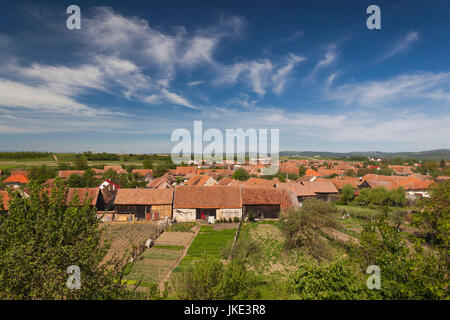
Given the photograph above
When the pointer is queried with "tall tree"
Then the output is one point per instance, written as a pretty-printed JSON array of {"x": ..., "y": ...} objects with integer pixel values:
[{"x": 41, "y": 236}]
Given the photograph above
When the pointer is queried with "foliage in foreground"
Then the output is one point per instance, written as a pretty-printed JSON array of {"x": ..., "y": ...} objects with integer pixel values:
[
  {"x": 41, "y": 236},
  {"x": 407, "y": 271},
  {"x": 210, "y": 279},
  {"x": 338, "y": 280}
]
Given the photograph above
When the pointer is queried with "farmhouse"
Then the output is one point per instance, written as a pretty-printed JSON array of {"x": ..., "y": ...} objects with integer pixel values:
[
  {"x": 210, "y": 203},
  {"x": 201, "y": 180},
  {"x": 389, "y": 185},
  {"x": 164, "y": 182},
  {"x": 16, "y": 180},
  {"x": 144, "y": 174},
  {"x": 341, "y": 181},
  {"x": 299, "y": 190},
  {"x": 264, "y": 202},
  {"x": 143, "y": 204},
  {"x": 117, "y": 169},
  {"x": 322, "y": 189}
]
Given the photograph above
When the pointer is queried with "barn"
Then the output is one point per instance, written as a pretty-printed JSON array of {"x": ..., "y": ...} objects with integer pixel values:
[
  {"x": 265, "y": 202},
  {"x": 143, "y": 204},
  {"x": 209, "y": 203}
]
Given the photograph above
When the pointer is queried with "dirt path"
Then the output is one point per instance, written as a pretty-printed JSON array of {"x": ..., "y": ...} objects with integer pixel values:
[
  {"x": 338, "y": 235},
  {"x": 166, "y": 277}
]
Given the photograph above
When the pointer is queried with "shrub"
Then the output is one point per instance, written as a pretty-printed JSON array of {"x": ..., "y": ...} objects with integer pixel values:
[
  {"x": 335, "y": 281},
  {"x": 209, "y": 279}
]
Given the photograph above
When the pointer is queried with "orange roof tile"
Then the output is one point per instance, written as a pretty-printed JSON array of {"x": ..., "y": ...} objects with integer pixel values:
[
  {"x": 16, "y": 178},
  {"x": 143, "y": 196},
  {"x": 218, "y": 197}
]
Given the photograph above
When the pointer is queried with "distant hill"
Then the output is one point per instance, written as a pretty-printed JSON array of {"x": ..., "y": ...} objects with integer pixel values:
[{"x": 421, "y": 155}]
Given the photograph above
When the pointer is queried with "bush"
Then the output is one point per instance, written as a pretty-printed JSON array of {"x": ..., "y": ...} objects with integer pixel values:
[
  {"x": 381, "y": 197},
  {"x": 236, "y": 219},
  {"x": 335, "y": 281},
  {"x": 209, "y": 279}
]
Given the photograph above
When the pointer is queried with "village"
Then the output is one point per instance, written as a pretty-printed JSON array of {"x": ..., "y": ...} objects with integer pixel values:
[{"x": 229, "y": 191}]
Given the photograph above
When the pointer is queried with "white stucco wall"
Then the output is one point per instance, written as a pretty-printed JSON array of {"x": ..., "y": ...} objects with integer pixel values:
[
  {"x": 184, "y": 215},
  {"x": 228, "y": 213}
]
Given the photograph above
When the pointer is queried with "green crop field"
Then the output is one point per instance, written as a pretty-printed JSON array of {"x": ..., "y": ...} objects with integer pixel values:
[{"x": 208, "y": 241}]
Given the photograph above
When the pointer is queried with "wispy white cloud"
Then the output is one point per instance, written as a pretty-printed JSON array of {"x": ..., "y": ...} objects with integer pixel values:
[
  {"x": 260, "y": 74},
  {"x": 282, "y": 74},
  {"x": 425, "y": 85},
  {"x": 401, "y": 46}
]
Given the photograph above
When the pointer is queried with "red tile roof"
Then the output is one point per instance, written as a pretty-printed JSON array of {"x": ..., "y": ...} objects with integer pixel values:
[
  {"x": 311, "y": 172},
  {"x": 117, "y": 169},
  {"x": 198, "y": 180},
  {"x": 182, "y": 171},
  {"x": 297, "y": 188},
  {"x": 321, "y": 186},
  {"x": 22, "y": 172},
  {"x": 16, "y": 178},
  {"x": 261, "y": 182},
  {"x": 143, "y": 172},
  {"x": 225, "y": 181},
  {"x": 67, "y": 173},
  {"x": 268, "y": 196},
  {"x": 143, "y": 196},
  {"x": 83, "y": 194},
  {"x": 219, "y": 197}
]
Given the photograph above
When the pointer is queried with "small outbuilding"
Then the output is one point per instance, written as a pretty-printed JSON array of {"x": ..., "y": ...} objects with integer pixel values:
[{"x": 143, "y": 204}]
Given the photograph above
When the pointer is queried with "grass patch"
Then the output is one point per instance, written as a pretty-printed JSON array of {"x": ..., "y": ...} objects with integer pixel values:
[
  {"x": 182, "y": 227},
  {"x": 163, "y": 246}
]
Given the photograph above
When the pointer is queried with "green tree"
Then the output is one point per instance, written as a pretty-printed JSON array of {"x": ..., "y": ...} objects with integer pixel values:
[
  {"x": 302, "y": 228},
  {"x": 406, "y": 273},
  {"x": 433, "y": 215},
  {"x": 75, "y": 181},
  {"x": 348, "y": 194},
  {"x": 41, "y": 237},
  {"x": 241, "y": 174},
  {"x": 301, "y": 171}
]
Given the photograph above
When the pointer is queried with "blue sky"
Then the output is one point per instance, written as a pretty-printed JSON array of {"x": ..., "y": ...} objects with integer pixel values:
[{"x": 137, "y": 70}]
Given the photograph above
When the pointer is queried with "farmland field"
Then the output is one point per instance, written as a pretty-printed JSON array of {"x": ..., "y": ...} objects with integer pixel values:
[
  {"x": 210, "y": 240},
  {"x": 125, "y": 235},
  {"x": 155, "y": 264}
]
